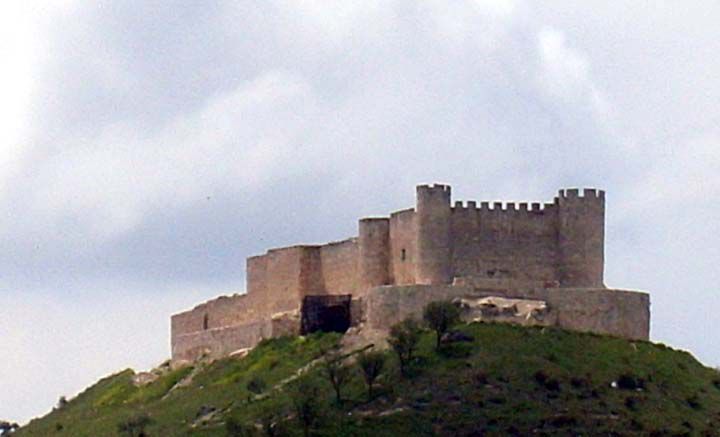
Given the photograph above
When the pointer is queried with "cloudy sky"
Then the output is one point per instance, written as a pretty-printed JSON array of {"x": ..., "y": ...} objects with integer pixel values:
[{"x": 148, "y": 147}]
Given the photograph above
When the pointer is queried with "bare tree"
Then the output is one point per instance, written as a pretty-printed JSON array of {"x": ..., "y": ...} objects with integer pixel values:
[
  {"x": 337, "y": 372},
  {"x": 371, "y": 364}
]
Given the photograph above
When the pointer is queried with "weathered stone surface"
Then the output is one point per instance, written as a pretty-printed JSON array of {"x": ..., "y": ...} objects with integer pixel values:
[
  {"x": 501, "y": 309},
  {"x": 604, "y": 311},
  {"x": 144, "y": 378},
  {"x": 218, "y": 342}
]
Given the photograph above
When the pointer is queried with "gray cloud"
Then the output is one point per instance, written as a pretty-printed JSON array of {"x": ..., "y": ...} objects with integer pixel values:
[{"x": 167, "y": 142}]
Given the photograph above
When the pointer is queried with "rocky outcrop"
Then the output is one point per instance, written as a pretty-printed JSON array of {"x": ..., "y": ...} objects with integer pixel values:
[{"x": 500, "y": 309}]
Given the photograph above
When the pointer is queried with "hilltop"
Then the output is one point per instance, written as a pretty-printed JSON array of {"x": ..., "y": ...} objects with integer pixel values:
[{"x": 508, "y": 380}]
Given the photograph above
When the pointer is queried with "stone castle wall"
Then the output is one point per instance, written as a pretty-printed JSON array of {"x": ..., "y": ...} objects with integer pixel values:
[
  {"x": 600, "y": 310},
  {"x": 339, "y": 267},
  {"x": 556, "y": 244},
  {"x": 523, "y": 242},
  {"x": 403, "y": 247}
]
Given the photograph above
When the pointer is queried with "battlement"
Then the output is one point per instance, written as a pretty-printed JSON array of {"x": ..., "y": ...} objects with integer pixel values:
[
  {"x": 435, "y": 188},
  {"x": 433, "y": 191},
  {"x": 433, "y": 196},
  {"x": 373, "y": 219},
  {"x": 351, "y": 240},
  {"x": 585, "y": 193},
  {"x": 402, "y": 212},
  {"x": 460, "y": 206}
]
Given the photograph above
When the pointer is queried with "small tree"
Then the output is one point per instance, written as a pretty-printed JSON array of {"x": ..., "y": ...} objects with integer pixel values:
[
  {"x": 404, "y": 338},
  {"x": 440, "y": 316},
  {"x": 336, "y": 371},
  {"x": 135, "y": 426},
  {"x": 371, "y": 364},
  {"x": 307, "y": 403},
  {"x": 62, "y": 402}
]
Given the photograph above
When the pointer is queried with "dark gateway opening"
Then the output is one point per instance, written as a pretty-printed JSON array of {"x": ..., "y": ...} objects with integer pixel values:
[{"x": 329, "y": 313}]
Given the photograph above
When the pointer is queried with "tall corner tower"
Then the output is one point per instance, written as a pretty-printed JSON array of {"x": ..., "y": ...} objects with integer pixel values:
[
  {"x": 433, "y": 265},
  {"x": 581, "y": 237}
]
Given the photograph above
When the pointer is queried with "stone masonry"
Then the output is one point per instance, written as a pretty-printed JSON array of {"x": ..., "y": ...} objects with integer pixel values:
[{"x": 551, "y": 252}]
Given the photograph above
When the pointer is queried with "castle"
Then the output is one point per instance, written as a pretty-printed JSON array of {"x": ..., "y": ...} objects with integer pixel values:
[{"x": 551, "y": 254}]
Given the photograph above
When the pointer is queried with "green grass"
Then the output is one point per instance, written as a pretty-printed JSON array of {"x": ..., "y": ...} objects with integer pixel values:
[{"x": 509, "y": 381}]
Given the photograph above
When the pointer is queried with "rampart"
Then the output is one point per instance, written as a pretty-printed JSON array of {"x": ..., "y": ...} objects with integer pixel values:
[
  {"x": 554, "y": 248},
  {"x": 600, "y": 310}
]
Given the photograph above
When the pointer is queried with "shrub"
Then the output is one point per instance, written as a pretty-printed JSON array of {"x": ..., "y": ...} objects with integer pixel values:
[
  {"x": 630, "y": 382},
  {"x": 271, "y": 422},
  {"x": 7, "y": 428},
  {"x": 441, "y": 316},
  {"x": 269, "y": 418},
  {"x": 456, "y": 350},
  {"x": 256, "y": 385},
  {"x": 577, "y": 382},
  {"x": 234, "y": 428},
  {"x": 550, "y": 384},
  {"x": 694, "y": 402},
  {"x": 307, "y": 402},
  {"x": 480, "y": 378},
  {"x": 371, "y": 364},
  {"x": 404, "y": 338},
  {"x": 631, "y": 403},
  {"x": 135, "y": 426}
]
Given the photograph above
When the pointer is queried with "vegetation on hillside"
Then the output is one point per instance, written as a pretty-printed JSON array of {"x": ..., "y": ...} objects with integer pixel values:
[
  {"x": 7, "y": 428},
  {"x": 494, "y": 379}
]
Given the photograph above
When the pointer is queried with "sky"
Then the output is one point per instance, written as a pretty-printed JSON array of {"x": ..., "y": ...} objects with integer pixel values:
[{"x": 147, "y": 148}]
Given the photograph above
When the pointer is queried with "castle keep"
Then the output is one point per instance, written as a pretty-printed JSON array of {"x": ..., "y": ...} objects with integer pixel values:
[{"x": 549, "y": 256}]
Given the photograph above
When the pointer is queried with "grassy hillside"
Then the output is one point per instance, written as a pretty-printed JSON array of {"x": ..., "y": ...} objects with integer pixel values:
[{"x": 508, "y": 381}]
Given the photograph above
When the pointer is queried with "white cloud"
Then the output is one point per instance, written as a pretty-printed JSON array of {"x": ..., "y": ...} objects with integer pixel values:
[
  {"x": 338, "y": 20},
  {"x": 18, "y": 44},
  {"x": 483, "y": 24},
  {"x": 111, "y": 181},
  {"x": 566, "y": 72}
]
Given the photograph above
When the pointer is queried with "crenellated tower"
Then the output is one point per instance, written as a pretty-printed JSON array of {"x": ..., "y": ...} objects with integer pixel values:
[
  {"x": 434, "y": 261},
  {"x": 581, "y": 237}
]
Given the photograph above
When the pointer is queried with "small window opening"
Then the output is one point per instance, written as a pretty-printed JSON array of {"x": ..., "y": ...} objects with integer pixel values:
[
  {"x": 403, "y": 255},
  {"x": 205, "y": 322}
]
